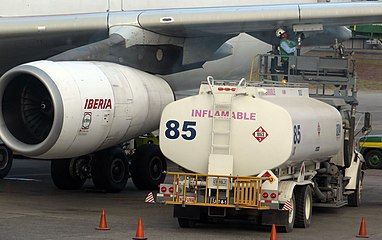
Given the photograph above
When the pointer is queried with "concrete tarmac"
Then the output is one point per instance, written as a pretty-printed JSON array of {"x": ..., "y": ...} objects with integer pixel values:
[
  {"x": 372, "y": 102},
  {"x": 32, "y": 208}
]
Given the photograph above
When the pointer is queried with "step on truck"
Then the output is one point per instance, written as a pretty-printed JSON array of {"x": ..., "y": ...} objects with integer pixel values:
[{"x": 263, "y": 152}]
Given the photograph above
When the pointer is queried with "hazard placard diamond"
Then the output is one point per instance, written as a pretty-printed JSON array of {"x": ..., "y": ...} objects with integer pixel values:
[{"x": 260, "y": 134}]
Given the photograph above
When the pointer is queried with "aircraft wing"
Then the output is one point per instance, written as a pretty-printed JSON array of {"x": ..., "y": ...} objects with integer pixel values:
[
  {"x": 22, "y": 26},
  {"x": 196, "y": 22},
  {"x": 201, "y": 21},
  {"x": 191, "y": 36}
]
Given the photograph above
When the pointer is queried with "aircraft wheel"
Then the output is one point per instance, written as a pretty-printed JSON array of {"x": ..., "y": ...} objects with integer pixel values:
[
  {"x": 6, "y": 159},
  {"x": 69, "y": 174},
  {"x": 147, "y": 167},
  {"x": 110, "y": 170}
]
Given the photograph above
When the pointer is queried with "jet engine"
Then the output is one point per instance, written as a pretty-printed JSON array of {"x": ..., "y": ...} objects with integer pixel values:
[{"x": 67, "y": 109}]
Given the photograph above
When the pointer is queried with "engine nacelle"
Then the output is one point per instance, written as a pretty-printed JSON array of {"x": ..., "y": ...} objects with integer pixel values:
[{"x": 67, "y": 109}]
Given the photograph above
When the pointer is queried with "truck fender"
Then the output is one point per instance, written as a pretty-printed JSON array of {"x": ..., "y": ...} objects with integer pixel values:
[
  {"x": 352, "y": 171},
  {"x": 286, "y": 188}
]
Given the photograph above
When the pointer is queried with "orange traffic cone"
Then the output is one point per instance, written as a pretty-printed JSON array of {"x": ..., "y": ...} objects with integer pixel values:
[
  {"x": 273, "y": 233},
  {"x": 102, "y": 222},
  {"x": 139, "y": 235},
  {"x": 362, "y": 230}
]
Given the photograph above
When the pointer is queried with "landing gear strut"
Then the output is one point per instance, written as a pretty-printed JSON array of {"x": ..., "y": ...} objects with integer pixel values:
[{"x": 110, "y": 169}]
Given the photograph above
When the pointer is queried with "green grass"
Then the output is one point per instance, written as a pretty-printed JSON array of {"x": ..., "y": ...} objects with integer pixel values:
[{"x": 369, "y": 72}]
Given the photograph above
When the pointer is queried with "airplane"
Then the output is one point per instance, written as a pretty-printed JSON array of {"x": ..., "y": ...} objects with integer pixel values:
[{"x": 81, "y": 77}]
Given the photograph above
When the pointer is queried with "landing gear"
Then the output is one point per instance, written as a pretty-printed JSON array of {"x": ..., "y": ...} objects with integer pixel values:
[
  {"x": 147, "y": 167},
  {"x": 6, "y": 159},
  {"x": 110, "y": 170},
  {"x": 70, "y": 174}
]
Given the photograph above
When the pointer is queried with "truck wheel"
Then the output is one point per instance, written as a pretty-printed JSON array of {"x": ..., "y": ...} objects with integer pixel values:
[
  {"x": 65, "y": 173},
  {"x": 186, "y": 223},
  {"x": 110, "y": 170},
  {"x": 6, "y": 159},
  {"x": 304, "y": 203},
  {"x": 354, "y": 199},
  {"x": 147, "y": 167},
  {"x": 291, "y": 216},
  {"x": 374, "y": 159}
]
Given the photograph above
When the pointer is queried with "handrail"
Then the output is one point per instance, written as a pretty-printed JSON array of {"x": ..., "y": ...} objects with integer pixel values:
[{"x": 225, "y": 191}]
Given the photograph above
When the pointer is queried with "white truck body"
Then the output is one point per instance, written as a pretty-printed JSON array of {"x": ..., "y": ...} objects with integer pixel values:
[
  {"x": 262, "y": 152},
  {"x": 270, "y": 127}
]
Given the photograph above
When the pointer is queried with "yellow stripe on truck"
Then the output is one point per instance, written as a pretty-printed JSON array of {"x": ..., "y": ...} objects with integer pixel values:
[{"x": 370, "y": 144}]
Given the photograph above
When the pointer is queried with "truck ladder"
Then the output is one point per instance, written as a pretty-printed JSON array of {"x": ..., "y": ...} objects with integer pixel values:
[{"x": 222, "y": 116}]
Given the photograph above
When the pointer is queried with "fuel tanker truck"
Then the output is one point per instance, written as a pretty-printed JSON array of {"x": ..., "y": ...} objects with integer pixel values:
[{"x": 265, "y": 153}]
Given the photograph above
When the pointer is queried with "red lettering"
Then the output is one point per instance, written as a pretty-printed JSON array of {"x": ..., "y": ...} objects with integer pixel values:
[
  {"x": 86, "y": 104},
  {"x": 196, "y": 113},
  {"x": 108, "y": 104},
  {"x": 225, "y": 113},
  {"x": 100, "y": 103},
  {"x": 239, "y": 115},
  {"x": 96, "y": 104},
  {"x": 217, "y": 114},
  {"x": 253, "y": 116},
  {"x": 90, "y": 104},
  {"x": 246, "y": 116}
]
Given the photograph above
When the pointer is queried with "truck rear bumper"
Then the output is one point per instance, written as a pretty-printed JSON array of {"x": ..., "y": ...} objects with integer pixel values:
[{"x": 202, "y": 214}]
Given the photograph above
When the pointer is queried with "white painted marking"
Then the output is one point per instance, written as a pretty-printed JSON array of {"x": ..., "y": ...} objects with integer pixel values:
[{"x": 22, "y": 179}]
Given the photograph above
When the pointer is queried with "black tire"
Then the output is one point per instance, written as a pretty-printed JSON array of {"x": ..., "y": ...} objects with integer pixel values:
[
  {"x": 63, "y": 174},
  {"x": 304, "y": 203},
  {"x": 186, "y": 223},
  {"x": 110, "y": 170},
  {"x": 6, "y": 160},
  {"x": 147, "y": 167},
  {"x": 291, "y": 218},
  {"x": 354, "y": 199},
  {"x": 373, "y": 159}
]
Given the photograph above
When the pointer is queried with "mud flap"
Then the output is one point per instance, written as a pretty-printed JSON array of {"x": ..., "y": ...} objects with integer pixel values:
[
  {"x": 277, "y": 217},
  {"x": 188, "y": 212}
]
